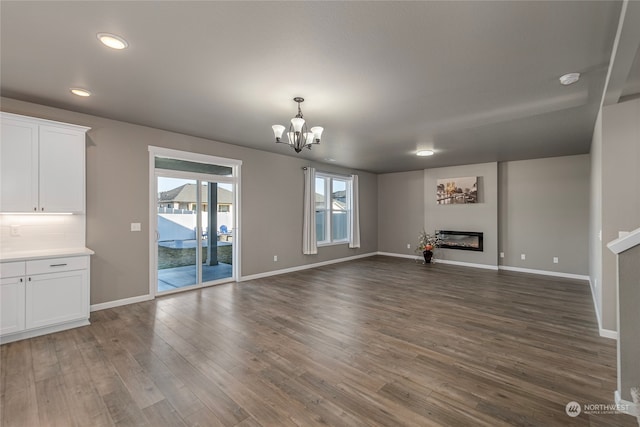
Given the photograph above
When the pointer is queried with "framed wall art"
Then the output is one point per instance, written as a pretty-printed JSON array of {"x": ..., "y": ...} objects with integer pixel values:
[{"x": 451, "y": 191}]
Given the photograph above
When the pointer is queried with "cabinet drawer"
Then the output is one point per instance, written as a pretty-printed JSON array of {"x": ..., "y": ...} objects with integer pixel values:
[
  {"x": 12, "y": 269},
  {"x": 54, "y": 265}
]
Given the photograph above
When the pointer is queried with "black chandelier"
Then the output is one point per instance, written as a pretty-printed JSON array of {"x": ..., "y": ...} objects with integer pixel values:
[{"x": 298, "y": 135}]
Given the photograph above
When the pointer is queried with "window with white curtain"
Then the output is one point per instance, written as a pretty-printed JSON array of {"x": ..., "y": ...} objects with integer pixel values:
[{"x": 333, "y": 208}]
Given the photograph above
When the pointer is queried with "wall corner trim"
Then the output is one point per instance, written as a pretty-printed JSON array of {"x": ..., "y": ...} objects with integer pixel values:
[
  {"x": 120, "y": 302},
  {"x": 604, "y": 333},
  {"x": 303, "y": 267}
]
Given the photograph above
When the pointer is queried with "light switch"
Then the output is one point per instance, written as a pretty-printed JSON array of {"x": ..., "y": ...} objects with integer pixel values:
[{"x": 135, "y": 226}]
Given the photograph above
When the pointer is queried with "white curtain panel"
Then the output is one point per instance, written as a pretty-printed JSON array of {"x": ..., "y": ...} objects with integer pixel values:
[
  {"x": 355, "y": 213},
  {"x": 309, "y": 243}
]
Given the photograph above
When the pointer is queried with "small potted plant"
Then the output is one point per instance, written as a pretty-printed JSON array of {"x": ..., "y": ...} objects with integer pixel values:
[{"x": 426, "y": 244}]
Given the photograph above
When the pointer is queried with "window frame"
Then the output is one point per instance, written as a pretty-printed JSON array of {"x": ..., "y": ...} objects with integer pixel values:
[{"x": 328, "y": 178}]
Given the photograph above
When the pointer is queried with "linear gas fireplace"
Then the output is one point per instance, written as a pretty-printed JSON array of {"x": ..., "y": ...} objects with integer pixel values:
[{"x": 462, "y": 240}]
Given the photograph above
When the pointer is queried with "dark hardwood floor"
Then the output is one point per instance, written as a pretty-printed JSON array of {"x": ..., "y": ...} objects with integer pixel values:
[{"x": 378, "y": 341}]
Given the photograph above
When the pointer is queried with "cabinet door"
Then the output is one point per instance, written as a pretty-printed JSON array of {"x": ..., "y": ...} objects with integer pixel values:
[
  {"x": 18, "y": 166},
  {"x": 56, "y": 298},
  {"x": 12, "y": 315},
  {"x": 61, "y": 169}
]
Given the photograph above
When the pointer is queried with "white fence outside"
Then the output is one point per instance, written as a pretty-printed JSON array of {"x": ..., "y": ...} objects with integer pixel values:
[{"x": 180, "y": 224}]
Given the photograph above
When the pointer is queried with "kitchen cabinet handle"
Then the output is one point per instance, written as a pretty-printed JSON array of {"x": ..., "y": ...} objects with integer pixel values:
[
  {"x": 35, "y": 208},
  {"x": 42, "y": 209},
  {"x": 21, "y": 280},
  {"x": 57, "y": 265}
]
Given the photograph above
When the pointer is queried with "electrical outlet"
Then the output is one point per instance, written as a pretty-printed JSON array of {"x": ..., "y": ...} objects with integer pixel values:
[
  {"x": 501, "y": 254},
  {"x": 15, "y": 230},
  {"x": 408, "y": 245},
  {"x": 275, "y": 258},
  {"x": 555, "y": 259},
  {"x": 523, "y": 256},
  {"x": 135, "y": 226}
]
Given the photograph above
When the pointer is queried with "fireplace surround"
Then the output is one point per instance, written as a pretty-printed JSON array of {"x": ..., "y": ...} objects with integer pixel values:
[{"x": 461, "y": 240}]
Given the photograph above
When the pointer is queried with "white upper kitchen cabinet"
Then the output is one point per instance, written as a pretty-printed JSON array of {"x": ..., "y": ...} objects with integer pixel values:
[
  {"x": 18, "y": 175},
  {"x": 62, "y": 162},
  {"x": 43, "y": 165}
]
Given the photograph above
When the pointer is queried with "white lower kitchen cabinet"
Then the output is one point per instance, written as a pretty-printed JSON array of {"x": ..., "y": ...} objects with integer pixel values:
[
  {"x": 43, "y": 296},
  {"x": 12, "y": 305},
  {"x": 56, "y": 298}
]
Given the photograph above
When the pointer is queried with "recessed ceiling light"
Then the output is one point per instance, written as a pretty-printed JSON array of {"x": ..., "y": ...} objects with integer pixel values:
[
  {"x": 424, "y": 153},
  {"x": 80, "y": 92},
  {"x": 569, "y": 78},
  {"x": 113, "y": 41}
]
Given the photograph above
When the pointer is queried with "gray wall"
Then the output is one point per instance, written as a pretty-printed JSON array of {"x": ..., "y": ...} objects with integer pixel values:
[
  {"x": 620, "y": 191},
  {"x": 544, "y": 206},
  {"x": 481, "y": 216},
  {"x": 542, "y": 211},
  {"x": 118, "y": 194},
  {"x": 629, "y": 339},
  {"x": 400, "y": 211}
]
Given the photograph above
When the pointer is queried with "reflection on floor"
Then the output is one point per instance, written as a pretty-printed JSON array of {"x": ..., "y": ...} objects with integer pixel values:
[{"x": 179, "y": 277}]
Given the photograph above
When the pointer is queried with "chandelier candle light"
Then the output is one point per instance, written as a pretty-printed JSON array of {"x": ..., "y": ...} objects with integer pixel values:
[{"x": 298, "y": 135}]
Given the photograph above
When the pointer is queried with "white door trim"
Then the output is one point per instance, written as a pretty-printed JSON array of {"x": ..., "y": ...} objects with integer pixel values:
[{"x": 153, "y": 191}]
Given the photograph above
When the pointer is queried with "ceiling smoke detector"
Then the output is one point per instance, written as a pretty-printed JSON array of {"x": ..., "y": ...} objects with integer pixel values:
[{"x": 569, "y": 79}]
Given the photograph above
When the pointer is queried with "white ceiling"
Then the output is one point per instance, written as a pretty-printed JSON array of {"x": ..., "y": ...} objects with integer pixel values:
[{"x": 474, "y": 81}]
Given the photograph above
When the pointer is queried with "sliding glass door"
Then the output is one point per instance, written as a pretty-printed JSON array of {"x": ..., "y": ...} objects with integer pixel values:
[{"x": 196, "y": 211}]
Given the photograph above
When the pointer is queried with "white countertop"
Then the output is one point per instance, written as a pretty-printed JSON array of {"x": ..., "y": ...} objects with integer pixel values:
[{"x": 43, "y": 253}]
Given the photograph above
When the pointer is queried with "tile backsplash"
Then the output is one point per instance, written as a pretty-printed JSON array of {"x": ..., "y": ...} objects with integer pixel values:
[{"x": 41, "y": 232}]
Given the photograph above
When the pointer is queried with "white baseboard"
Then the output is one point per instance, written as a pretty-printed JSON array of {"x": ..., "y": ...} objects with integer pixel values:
[
  {"x": 120, "y": 302},
  {"x": 43, "y": 331},
  {"x": 465, "y": 264},
  {"x": 625, "y": 406},
  {"x": 416, "y": 257},
  {"x": 303, "y": 267},
  {"x": 608, "y": 333},
  {"x": 545, "y": 272},
  {"x": 441, "y": 261}
]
